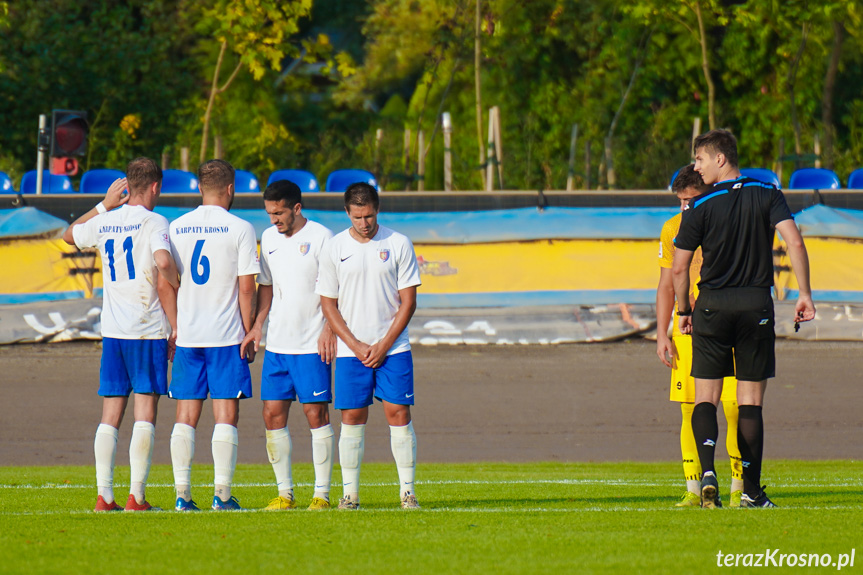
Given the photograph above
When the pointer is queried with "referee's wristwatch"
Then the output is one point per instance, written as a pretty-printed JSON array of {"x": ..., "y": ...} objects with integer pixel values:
[{"x": 684, "y": 313}]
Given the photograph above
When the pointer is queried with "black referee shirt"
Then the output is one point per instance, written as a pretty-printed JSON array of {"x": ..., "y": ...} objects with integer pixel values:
[{"x": 733, "y": 223}]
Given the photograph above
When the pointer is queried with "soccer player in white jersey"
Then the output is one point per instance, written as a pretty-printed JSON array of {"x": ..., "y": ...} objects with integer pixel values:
[
  {"x": 216, "y": 253},
  {"x": 368, "y": 286},
  {"x": 300, "y": 344},
  {"x": 135, "y": 249}
]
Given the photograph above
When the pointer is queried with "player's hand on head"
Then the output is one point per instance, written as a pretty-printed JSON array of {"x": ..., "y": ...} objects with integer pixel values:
[{"x": 116, "y": 195}]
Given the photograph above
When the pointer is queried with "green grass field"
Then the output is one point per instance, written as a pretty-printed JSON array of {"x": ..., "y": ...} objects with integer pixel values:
[{"x": 476, "y": 518}]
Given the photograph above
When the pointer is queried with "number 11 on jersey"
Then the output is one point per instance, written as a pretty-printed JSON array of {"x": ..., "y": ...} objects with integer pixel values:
[{"x": 130, "y": 263}]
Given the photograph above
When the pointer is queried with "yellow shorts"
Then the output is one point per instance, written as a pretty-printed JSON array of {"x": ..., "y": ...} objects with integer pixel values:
[{"x": 683, "y": 384}]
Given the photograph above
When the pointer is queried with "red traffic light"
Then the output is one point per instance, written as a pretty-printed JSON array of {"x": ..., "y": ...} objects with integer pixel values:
[
  {"x": 69, "y": 131},
  {"x": 64, "y": 166}
]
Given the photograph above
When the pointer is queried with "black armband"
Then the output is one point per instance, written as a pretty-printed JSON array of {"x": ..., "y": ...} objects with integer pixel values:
[{"x": 684, "y": 313}]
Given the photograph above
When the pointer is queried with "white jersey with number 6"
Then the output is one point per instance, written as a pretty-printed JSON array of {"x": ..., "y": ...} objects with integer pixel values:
[
  {"x": 212, "y": 248},
  {"x": 290, "y": 265},
  {"x": 127, "y": 238},
  {"x": 366, "y": 279}
]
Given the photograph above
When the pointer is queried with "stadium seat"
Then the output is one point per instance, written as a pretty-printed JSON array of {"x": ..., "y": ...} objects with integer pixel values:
[
  {"x": 179, "y": 182},
  {"x": 305, "y": 180},
  {"x": 246, "y": 183},
  {"x": 51, "y": 183},
  {"x": 814, "y": 179},
  {"x": 339, "y": 180},
  {"x": 855, "y": 180},
  {"x": 762, "y": 175},
  {"x": 98, "y": 181},
  {"x": 6, "y": 184}
]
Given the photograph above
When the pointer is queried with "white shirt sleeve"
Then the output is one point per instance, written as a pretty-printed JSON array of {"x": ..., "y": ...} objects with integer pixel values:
[
  {"x": 328, "y": 280},
  {"x": 85, "y": 234},
  {"x": 159, "y": 236},
  {"x": 409, "y": 271},
  {"x": 265, "y": 278},
  {"x": 248, "y": 263}
]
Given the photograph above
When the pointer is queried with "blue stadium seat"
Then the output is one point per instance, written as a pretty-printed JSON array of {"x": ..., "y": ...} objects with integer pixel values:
[
  {"x": 305, "y": 180},
  {"x": 246, "y": 183},
  {"x": 98, "y": 181},
  {"x": 762, "y": 175},
  {"x": 339, "y": 180},
  {"x": 179, "y": 182},
  {"x": 814, "y": 179},
  {"x": 6, "y": 184},
  {"x": 855, "y": 180},
  {"x": 51, "y": 183}
]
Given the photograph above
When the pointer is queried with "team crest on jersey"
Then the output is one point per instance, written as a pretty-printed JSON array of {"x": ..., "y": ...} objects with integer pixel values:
[
  {"x": 304, "y": 248},
  {"x": 384, "y": 255}
]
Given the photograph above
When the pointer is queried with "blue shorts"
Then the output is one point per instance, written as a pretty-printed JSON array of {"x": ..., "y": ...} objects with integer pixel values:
[
  {"x": 217, "y": 370},
  {"x": 139, "y": 365},
  {"x": 286, "y": 376},
  {"x": 357, "y": 385}
]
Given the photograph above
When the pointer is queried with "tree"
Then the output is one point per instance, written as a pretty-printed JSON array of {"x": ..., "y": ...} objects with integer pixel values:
[{"x": 257, "y": 32}]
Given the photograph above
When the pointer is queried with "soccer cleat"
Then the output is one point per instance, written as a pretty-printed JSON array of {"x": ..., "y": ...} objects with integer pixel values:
[
  {"x": 183, "y": 505},
  {"x": 409, "y": 501},
  {"x": 102, "y": 505},
  {"x": 689, "y": 499},
  {"x": 710, "y": 492},
  {"x": 230, "y": 505},
  {"x": 133, "y": 505},
  {"x": 347, "y": 503},
  {"x": 735, "y": 498},
  {"x": 760, "y": 501},
  {"x": 319, "y": 504},
  {"x": 281, "y": 503}
]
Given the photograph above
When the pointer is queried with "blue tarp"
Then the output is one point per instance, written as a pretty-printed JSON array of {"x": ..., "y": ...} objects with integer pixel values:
[
  {"x": 823, "y": 222},
  {"x": 28, "y": 222},
  {"x": 522, "y": 224}
]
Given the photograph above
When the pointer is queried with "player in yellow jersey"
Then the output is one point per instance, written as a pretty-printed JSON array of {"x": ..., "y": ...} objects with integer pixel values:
[{"x": 676, "y": 353}]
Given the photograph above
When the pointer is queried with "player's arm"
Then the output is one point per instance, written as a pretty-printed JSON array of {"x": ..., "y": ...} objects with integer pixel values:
[
  {"x": 247, "y": 301},
  {"x": 664, "y": 309},
  {"x": 327, "y": 343},
  {"x": 805, "y": 308},
  {"x": 680, "y": 279},
  {"x": 168, "y": 297},
  {"x": 256, "y": 334},
  {"x": 167, "y": 267},
  {"x": 113, "y": 199},
  {"x": 330, "y": 307},
  {"x": 378, "y": 351}
]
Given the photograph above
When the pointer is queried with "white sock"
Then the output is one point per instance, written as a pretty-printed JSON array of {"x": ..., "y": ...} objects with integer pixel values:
[
  {"x": 323, "y": 446},
  {"x": 105, "y": 448},
  {"x": 351, "y": 448},
  {"x": 736, "y": 484},
  {"x": 182, "y": 453},
  {"x": 693, "y": 486},
  {"x": 225, "y": 441},
  {"x": 279, "y": 448},
  {"x": 140, "y": 456},
  {"x": 403, "y": 442}
]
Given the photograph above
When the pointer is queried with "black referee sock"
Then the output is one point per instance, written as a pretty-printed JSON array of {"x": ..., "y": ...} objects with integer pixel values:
[
  {"x": 706, "y": 430},
  {"x": 750, "y": 439}
]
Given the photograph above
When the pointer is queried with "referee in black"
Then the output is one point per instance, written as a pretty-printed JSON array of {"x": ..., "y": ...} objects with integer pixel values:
[{"x": 732, "y": 324}]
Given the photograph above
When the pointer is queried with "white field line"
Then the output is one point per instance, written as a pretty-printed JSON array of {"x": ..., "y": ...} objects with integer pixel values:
[
  {"x": 558, "y": 510},
  {"x": 799, "y": 482}
]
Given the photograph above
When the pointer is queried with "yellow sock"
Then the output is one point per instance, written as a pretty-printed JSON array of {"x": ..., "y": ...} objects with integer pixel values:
[
  {"x": 691, "y": 464},
  {"x": 730, "y": 408}
]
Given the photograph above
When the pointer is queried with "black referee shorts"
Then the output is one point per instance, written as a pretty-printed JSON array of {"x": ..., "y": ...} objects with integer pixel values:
[{"x": 733, "y": 325}]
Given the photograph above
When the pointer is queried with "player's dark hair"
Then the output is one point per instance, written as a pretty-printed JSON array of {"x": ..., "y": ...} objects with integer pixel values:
[
  {"x": 719, "y": 141},
  {"x": 361, "y": 194},
  {"x": 215, "y": 175},
  {"x": 284, "y": 190},
  {"x": 141, "y": 173},
  {"x": 687, "y": 178}
]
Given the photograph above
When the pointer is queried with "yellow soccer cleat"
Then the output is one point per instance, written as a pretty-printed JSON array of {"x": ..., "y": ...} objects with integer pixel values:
[
  {"x": 319, "y": 504},
  {"x": 735, "y": 498},
  {"x": 281, "y": 504},
  {"x": 689, "y": 499}
]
